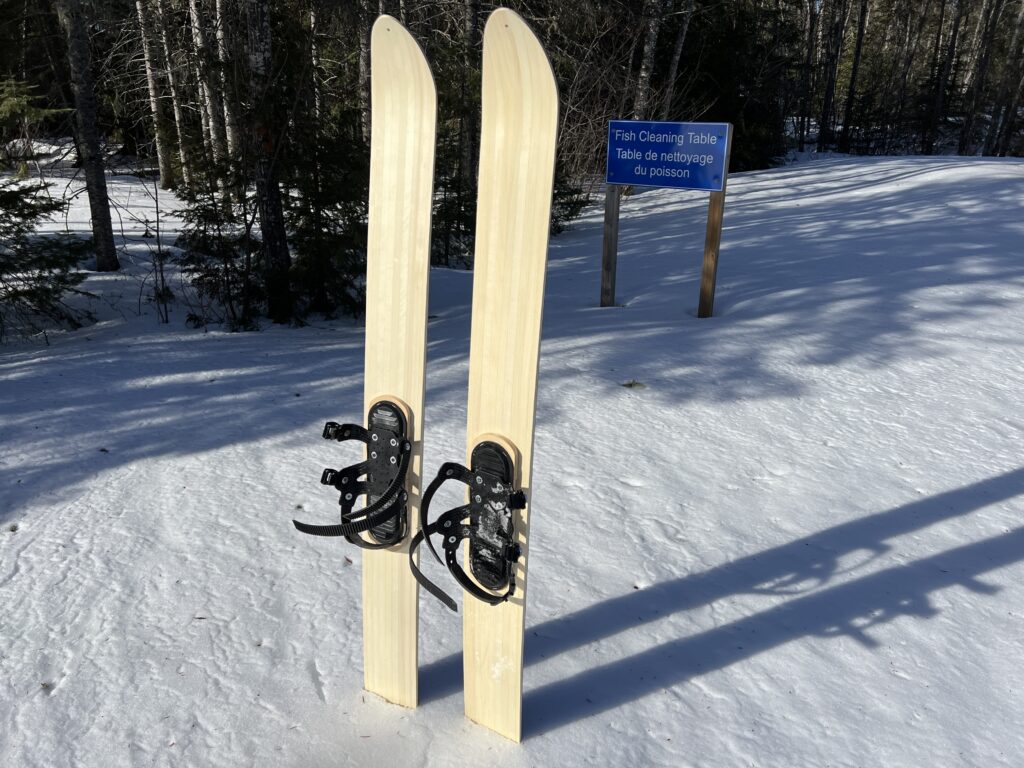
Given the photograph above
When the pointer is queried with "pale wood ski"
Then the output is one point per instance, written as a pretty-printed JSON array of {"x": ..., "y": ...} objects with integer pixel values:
[
  {"x": 517, "y": 154},
  {"x": 404, "y": 113},
  {"x": 404, "y": 107}
]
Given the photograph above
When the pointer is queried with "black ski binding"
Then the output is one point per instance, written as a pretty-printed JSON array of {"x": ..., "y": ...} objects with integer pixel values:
[
  {"x": 385, "y": 516},
  {"x": 487, "y": 521}
]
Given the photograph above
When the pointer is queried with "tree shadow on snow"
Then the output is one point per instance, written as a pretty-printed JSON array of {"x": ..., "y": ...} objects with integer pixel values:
[
  {"x": 856, "y": 261},
  {"x": 799, "y": 570}
]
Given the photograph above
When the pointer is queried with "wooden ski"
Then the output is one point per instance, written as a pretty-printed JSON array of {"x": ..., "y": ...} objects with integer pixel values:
[
  {"x": 404, "y": 105},
  {"x": 397, "y": 270},
  {"x": 517, "y": 154}
]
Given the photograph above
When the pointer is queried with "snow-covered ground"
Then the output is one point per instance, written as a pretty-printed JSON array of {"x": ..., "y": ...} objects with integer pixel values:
[{"x": 796, "y": 541}]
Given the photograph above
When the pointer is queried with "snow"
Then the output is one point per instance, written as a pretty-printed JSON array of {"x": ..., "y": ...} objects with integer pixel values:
[{"x": 796, "y": 541}]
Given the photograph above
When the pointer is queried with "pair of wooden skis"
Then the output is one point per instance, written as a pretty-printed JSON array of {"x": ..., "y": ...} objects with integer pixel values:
[{"x": 517, "y": 152}]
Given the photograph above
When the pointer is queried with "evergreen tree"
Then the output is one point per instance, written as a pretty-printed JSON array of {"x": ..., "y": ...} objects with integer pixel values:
[{"x": 36, "y": 272}]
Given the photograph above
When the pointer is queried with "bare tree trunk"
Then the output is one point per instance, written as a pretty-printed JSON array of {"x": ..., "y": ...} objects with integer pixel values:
[
  {"x": 314, "y": 60},
  {"x": 805, "y": 75},
  {"x": 364, "y": 68},
  {"x": 163, "y": 150},
  {"x": 909, "y": 49},
  {"x": 851, "y": 92},
  {"x": 979, "y": 73},
  {"x": 26, "y": 132},
  {"x": 72, "y": 19},
  {"x": 942, "y": 82},
  {"x": 204, "y": 111},
  {"x": 630, "y": 82},
  {"x": 1005, "y": 92},
  {"x": 469, "y": 111},
  {"x": 276, "y": 259},
  {"x": 1012, "y": 91},
  {"x": 1009, "y": 124},
  {"x": 231, "y": 129},
  {"x": 655, "y": 11},
  {"x": 209, "y": 93},
  {"x": 933, "y": 74},
  {"x": 176, "y": 105},
  {"x": 834, "y": 50},
  {"x": 677, "y": 54}
]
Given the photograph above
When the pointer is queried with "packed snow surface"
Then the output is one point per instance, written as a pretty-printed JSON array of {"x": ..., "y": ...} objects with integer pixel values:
[{"x": 795, "y": 539}]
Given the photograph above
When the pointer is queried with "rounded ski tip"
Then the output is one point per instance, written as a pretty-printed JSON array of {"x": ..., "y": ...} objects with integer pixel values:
[
  {"x": 508, "y": 37},
  {"x": 505, "y": 21},
  {"x": 387, "y": 24},
  {"x": 506, "y": 17},
  {"x": 389, "y": 34},
  {"x": 392, "y": 44}
]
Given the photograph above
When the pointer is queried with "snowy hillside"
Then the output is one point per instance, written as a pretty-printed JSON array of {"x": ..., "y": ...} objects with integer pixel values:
[{"x": 795, "y": 540}]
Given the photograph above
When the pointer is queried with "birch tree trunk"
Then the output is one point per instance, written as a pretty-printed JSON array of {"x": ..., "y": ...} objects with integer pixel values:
[
  {"x": 1005, "y": 91},
  {"x": 942, "y": 82},
  {"x": 180, "y": 126},
  {"x": 1009, "y": 124},
  {"x": 364, "y": 68},
  {"x": 160, "y": 133},
  {"x": 314, "y": 60},
  {"x": 276, "y": 259},
  {"x": 231, "y": 129},
  {"x": 909, "y": 50},
  {"x": 979, "y": 74},
  {"x": 851, "y": 91},
  {"x": 806, "y": 82},
  {"x": 834, "y": 49},
  {"x": 677, "y": 54},
  {"x": 1011, "y": 93},
  {"x": 933, "y": 73},
  {"x": 209, "y": 92},
  {"x": 72, "y": 20},
  {"x": 655, "y": 12},
  {"x": 471, "y": 129}
]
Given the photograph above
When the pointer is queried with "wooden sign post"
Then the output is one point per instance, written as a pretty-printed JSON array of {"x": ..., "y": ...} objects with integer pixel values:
[
  {"x": 713, "y": 241},
  {"x": 610, "y": 249},
  {"x": 676, "y": 155}
]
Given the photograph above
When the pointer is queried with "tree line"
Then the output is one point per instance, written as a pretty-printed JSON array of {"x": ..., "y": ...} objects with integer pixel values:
[{"x": 258, "y": 113}]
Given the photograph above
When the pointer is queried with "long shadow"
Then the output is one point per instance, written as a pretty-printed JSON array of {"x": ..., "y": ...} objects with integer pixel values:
[{"x": 792, "y": 569}]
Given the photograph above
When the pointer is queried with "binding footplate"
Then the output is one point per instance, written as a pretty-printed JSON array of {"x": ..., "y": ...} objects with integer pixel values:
[
  {"x": 487, "y": 520},
  {"x": 380, "y": 477}
]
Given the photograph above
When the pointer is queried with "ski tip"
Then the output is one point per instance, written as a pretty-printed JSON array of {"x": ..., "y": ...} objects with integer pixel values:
[
  {"x": 509, "y": 35},
  {"x": 385, "y": 24},
  {"x": 388, "y": 31},
  {"x": 393, "y": 44},
  {"x": 507, "y": 18}
]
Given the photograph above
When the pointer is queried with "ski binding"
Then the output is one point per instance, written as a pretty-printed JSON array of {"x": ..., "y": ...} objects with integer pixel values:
[
  {"x": 384, "y": 518},
  {"x": 487, "y": 521}
]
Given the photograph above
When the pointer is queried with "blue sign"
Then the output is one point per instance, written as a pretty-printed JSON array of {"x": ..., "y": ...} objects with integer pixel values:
[{"x": 644, "y": 153}]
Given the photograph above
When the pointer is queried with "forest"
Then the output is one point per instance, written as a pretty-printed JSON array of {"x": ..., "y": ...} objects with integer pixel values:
[{"x": 257, "y": 115}]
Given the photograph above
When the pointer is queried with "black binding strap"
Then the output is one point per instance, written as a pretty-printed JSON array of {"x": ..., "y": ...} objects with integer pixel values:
[
  {"x": 487, "y": 521},
  {"x": 384, "y": 472}
]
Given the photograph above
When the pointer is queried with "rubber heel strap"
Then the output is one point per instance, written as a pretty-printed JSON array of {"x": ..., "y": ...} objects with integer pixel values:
[{"x": 448, "y": 471}]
